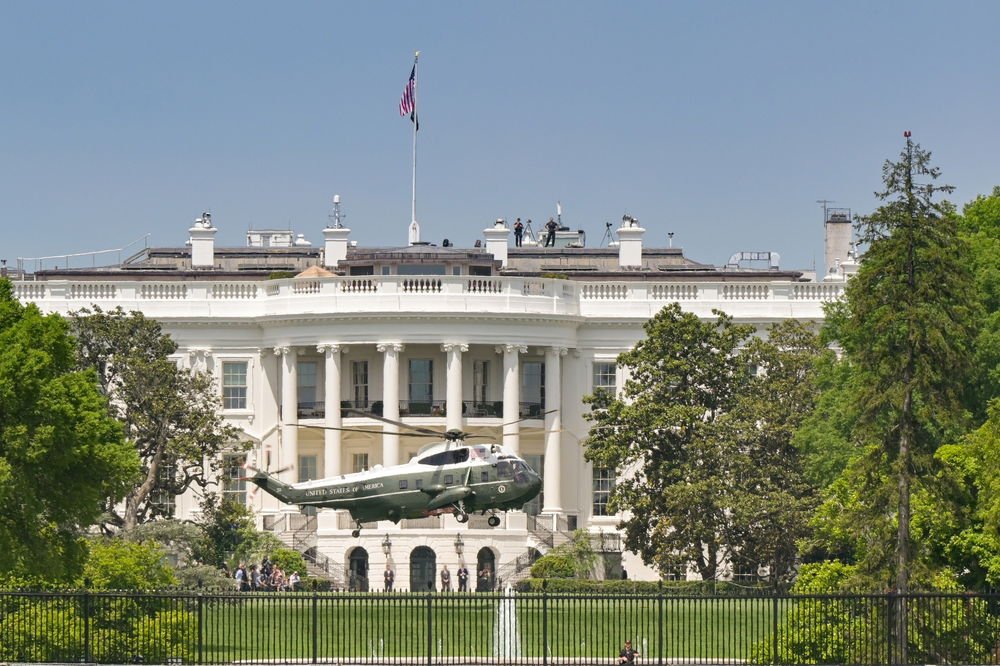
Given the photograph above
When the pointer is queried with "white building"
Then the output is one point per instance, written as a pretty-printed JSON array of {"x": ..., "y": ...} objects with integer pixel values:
[{"x": 434, "y": 336}]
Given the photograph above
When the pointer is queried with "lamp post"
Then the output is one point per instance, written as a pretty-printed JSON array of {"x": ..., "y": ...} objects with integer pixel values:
[
  {"x": 386, "y": 545},
  {"x": 459, "y": 544}
]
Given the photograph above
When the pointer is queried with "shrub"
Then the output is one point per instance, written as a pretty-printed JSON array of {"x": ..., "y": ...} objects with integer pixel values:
[{"x": 554, "y": 565}]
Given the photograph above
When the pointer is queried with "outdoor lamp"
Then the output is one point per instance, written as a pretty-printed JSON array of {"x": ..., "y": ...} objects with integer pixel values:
[
  {"x": 386, "y": 545},
  {"x": 459, "y": 544}
]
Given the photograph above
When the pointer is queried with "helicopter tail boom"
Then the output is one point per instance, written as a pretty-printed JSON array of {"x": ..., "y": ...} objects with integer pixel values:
[{"x": 272, "y": 486}]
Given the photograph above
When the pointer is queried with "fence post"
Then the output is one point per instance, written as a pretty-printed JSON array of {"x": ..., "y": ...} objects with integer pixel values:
[
  {"x": 201, "y": 625},
  {"x": 430, "y": 628},
  {"x": 86, "y": 626},
  {"x": 545, "y": 622},
  {"x": 774, "y": 627},
  {"x": 662, "y": 621},
  {"x": 890, "y": 622},
  {"x": 315, "y": 626}
]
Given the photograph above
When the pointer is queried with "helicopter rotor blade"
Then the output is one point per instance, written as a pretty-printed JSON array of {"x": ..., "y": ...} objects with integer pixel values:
[
  {"x": 528, "y": 418},
  {"x": 414, "y": 429}
]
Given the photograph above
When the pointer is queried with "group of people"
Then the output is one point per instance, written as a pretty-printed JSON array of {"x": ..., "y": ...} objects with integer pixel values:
[
  {"x": 551, "y": 227},
  {"x": 268, "y": 577},
  {"x": 484, "y": 581}
]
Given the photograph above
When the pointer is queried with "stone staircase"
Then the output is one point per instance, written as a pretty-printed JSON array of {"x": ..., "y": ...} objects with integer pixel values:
[{"x": 298, "y": 532}]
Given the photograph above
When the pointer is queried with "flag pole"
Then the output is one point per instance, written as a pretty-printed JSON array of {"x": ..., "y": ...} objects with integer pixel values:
[{"x": 414, "y": 227}]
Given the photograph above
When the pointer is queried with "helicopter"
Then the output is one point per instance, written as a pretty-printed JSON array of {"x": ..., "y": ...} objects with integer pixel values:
[{"x": 448, "y": 476}]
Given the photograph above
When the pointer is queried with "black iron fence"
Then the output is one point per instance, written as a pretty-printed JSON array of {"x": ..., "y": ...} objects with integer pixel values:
[{"x": 497, "y": 628}]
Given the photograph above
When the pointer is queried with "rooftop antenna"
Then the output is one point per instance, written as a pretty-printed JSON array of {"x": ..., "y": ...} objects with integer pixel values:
[
  {"x": 670, "y": 238},
  {"x": 336, "y": 217},
  {"x": 559, "y": 214},
  {"x": 826, "y": 204}
]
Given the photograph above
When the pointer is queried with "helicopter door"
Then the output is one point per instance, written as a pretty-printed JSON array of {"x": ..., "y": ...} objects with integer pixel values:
[
  {"x": 423, "y": 568},
  {"x": 358, "y": 570}
]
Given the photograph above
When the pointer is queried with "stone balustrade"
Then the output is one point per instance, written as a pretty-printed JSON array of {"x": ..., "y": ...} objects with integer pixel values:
[{"x": 441, "y": 294}]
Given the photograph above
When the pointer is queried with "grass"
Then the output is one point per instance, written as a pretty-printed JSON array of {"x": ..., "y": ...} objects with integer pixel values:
[{"x": 285, "y": 627}]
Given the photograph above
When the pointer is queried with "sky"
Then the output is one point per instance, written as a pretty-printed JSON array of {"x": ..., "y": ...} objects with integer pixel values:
[{"x": 722, "y": 123}]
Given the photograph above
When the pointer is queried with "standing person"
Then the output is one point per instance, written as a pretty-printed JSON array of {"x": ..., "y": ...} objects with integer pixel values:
[
  {"x": 389, "y": 577},
  {"x": 241, "y": 578},
  {"x": 518, "y": 232},
  {"x": 550, "y": 233},
  {"x": 627, "y": 654},
  {"x": 463, "y": 578},
  {"x": 445, "y": 579},
  {"x": 293, "y": 582}
]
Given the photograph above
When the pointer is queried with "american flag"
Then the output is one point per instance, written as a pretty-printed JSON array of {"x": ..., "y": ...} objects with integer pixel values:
[{"x": 408, "y": 102}]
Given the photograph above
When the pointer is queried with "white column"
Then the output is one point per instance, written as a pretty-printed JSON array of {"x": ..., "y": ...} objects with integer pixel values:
[
  {"x": 288, "y": 457},
  {"x": 390, "y": 401},
  {"x": 453, "y": 406},
  {"x": 553, "y": 425},
  {"x": 331, "y": 402},
  {"x": 511, "y": 394}
]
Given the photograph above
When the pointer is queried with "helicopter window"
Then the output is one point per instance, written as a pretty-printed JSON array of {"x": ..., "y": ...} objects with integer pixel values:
[
  {"x": 418, "y": 483},
  {"x": 505, "y": 470},
  {"x": 485, "y": 476},
  {"x": 446, "y": 457},
  {"x": 402, "y": 484},
  {"x": 448, "y": 479}
]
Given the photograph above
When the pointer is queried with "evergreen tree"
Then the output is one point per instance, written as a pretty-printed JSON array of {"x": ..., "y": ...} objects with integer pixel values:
[{"x": 907, "y": 324}]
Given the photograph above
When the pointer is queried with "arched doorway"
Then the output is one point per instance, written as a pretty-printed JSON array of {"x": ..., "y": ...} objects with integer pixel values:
[
  {"x": 486, "y": 570},
  {"x": 423, "y": 568},
  {"x": 357, "y": 570}
]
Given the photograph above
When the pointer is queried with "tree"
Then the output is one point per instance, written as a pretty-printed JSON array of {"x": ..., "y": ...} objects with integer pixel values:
[
  {"x": 906, "y": 324},
  {"x": 702, "y": 445},
  {"x": 171, "y": 415},
  {"x": 61, "y": 454}
]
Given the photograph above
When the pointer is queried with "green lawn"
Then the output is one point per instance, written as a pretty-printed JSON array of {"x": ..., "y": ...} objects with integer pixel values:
[{"x": 272, "y": 627}]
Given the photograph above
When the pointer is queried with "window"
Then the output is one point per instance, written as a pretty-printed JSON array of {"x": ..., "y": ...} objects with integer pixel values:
[
  {"x": 448, "y": 479},
  {"x": 403, "y": 483},
  {"x": 359, "y": 462},
  {"x": 604, "y": 376},
  {"x": 533, "y": 383},
  {"x": 446, "y": 457},
  {"x": 307, "y": 384},
  {"x": 359, "y": 383},
  {"x": 421, "y": 381},
  {"x": 420, "y": 269},
  {"x": 234, "y": 385},
  {"x": 484, "y": 476},
  {"x": 480, "y": 381},
  {"x": 234, "y": 483},
  {"x": 164, "y": 501},
  {"x": 419, "y": 484},
  {"x": 308, "y": 469},
  {"x": 604, "y": 482}
]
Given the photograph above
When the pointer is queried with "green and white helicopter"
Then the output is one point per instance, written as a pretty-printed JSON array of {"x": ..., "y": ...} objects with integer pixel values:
[{"x": 448, "y": 476}]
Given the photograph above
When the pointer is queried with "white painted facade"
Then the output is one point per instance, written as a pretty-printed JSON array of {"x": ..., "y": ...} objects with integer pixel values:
[{"x": 307, "y": 346}]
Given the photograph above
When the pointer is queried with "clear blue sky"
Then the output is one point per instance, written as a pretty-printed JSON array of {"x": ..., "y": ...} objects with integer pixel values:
[{"x": 722, "y": 122}]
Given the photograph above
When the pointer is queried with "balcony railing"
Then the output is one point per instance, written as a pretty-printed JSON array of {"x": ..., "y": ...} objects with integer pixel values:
[{"x": 421, "y": 408}]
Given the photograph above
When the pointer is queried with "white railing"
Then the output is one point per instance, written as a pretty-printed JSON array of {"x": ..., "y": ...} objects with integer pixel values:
[{"x": 462, "y": 294}]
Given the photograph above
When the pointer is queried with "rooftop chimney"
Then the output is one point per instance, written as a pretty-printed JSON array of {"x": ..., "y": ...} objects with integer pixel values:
[
  {"x": 838, "y": 228},
  {"x": 335, "y": 245},
  {"x": 496, "y": 240},
  {"x": 630, "y": 243},
  {"x": 203, "y": 242}
]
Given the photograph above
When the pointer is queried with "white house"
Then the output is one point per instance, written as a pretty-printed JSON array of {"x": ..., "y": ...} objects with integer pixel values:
[{"x": 434, "y": 336}]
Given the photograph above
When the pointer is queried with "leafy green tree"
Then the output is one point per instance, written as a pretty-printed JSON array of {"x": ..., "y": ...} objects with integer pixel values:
[
  {"x": 906, "y": 324},
  {"x": 701, "y": 438},
  {"x": 61, "y": 454},
  {"x": 170, "y": 415},
  {"x": 979, "y": 225}
]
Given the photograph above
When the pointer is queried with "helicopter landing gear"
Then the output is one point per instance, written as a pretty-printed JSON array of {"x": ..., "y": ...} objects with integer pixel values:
[
  {"x": 493, "y": 521},
  {"x": 461, "y": 516},
  {"x": 357, "y": 530}
]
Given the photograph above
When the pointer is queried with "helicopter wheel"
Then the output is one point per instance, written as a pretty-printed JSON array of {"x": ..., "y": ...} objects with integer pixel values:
[
  {"x": 493, "y": 521},
  {"x": 461, "y": 516},
  {"x": 356, "y": 533}
]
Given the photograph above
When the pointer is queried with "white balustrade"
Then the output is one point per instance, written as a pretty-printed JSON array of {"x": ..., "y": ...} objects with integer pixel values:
[
  {"x": 162, "y": 291},
  {"x": 234, "y": 291}
]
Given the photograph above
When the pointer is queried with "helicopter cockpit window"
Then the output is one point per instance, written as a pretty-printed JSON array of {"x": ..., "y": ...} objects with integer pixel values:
[
  {"x": 448, "y": 479},
  {"x": 505, "y": 470},
  {"x": 446, "y": 457}
]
